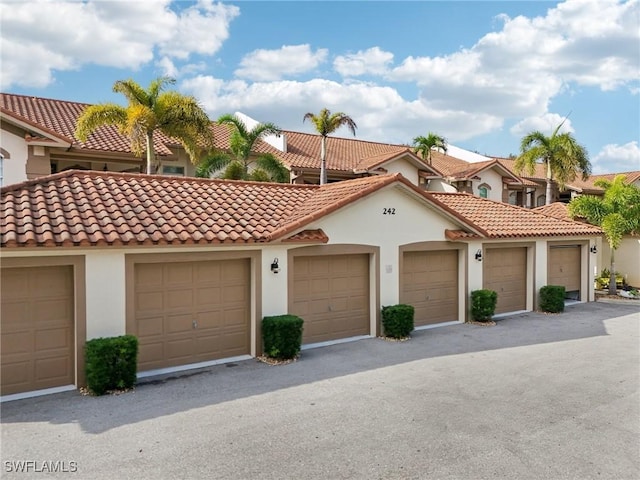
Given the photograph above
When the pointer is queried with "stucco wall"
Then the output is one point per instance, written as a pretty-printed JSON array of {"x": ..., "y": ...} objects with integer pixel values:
[
  {"x": 494, "y": 180},
  {"x": 627, "y": 259},
  {"x": 406, "y": 168},
  {"x": 14, "y": 168}
]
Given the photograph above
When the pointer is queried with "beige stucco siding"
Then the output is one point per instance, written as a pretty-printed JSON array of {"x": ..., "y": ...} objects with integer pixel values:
[{"x": 14, "y": 167}]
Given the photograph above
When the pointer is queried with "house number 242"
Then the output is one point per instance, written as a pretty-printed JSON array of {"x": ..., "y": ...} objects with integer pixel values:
[{"x": 388, "y": 211}]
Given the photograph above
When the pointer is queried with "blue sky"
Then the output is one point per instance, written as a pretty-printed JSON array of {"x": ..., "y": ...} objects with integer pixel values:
[{"x": 482, "y": 74}]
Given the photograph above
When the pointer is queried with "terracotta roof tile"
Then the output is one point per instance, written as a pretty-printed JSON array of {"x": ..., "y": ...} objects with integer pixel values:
[
  {"x": 556, "y": 210},
  {"x": 308, "y": 236},
  {"x": 85, "y": 208},
  {"x": 501, "y": 220}
]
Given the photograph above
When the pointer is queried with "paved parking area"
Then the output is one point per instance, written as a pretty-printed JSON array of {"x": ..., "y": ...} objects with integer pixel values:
[{"x": 535, "y": 397}]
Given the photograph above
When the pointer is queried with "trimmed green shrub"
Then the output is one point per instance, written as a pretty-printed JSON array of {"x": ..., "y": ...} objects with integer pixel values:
[
  {"x": 282, "y": 336},
  {"x": 552, "y": 298},
  {"x": 483, "y": 304},
  {"x": 111, "y": 363},
  {"x": 397, "y": 320}
]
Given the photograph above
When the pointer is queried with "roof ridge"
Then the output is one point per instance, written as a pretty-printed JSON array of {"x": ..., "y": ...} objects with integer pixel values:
[
  {"x": 102, "y": 174},
  {"x": 348, "y": 138},
  {"x": 57, "y": 100}
]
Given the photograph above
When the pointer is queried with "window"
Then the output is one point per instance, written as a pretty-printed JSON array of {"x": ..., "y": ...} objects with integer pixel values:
[
  {"x": 483, "y": 190},
  {"x": 173, "y": 170},
  {"x": 541, "y": 201}
]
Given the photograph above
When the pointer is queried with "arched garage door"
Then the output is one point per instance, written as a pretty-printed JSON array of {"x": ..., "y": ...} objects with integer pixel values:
[
  {"x": 331, "y": 294},
  {"x": 430, "y": 285},
  {"x": 37, "y": 328},
  {"x": 505, "y": 271}
]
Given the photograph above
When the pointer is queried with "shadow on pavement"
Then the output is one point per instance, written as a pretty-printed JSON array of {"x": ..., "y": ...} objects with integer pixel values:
[{"x": 170, "y": 394}]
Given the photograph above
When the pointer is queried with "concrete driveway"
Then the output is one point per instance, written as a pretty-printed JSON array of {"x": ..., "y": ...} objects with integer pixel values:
[{"x": 535, "y": 397}]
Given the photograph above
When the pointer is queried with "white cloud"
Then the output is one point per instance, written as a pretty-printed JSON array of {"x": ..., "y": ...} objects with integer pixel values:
[
  {"x": 40, "y": 37},
  {"x": 517, "y": 70},
  {"x": 289, "y": 60},
  {"x": 379, "y": 111},
  {"x": 617, "y": 158},
  {"x": 167, "y": 67},
  {"x": 546, "y": 124},
  {"x": 371, "y": 61}
]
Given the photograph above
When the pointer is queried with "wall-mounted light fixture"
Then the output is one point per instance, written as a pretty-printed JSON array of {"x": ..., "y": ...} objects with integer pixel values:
[
  {"x": 593, "y": 249},
  {"x": 479, "y": 255},
  {"x": 275, "y": 268}
]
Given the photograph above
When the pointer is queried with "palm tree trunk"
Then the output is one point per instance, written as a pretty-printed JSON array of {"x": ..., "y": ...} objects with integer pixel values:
[
  {"x": 612, "y": 275},
  {"x": 149, "y": 151},
  {"x": 548, "y": 200},
  {"x": 323, "y": 161}
]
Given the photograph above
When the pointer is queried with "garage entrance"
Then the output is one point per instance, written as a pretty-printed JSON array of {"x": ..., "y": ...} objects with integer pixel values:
[
  {"x": 331, "y": 294},
  {"x": 564, "y": 269},
  {"x": 37, "y": 328},
  {"x": 505, "y": 271},
  {"x": 430, "y": 285},
  {"x": 191, "y": 312}
]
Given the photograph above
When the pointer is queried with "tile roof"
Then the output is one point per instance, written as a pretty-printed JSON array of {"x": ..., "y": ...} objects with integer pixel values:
[
  {"x": 308, "y": 236},
  {"x": 87, "y": 208},
  {"x": 556, "y": 210},
  {"x": 58, "y": 118},
  {"x": 501, "y": 220}
]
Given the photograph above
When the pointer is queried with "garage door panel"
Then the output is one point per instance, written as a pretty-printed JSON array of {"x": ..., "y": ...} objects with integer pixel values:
[
  {"x": 205, "y": 314},
  {"x": 52, "y": 339},
  {"x": 149, "y": 278},
  {"x": 179, "y": 274},
  {"x": 52, "y": 369},
  {"x": 150, "y": 302},
  {"x": 38, "y": 349},
  {"x": 430, "y": 285}
]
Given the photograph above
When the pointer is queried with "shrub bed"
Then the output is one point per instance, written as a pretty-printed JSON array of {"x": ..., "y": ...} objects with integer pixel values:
[
  {"x": 483, "y": 304},
  {"x": 552, "y": 298},
  {"x": 282, "y": 336},
  {"x": 397, "y": 320},
  {"x": 111, "y": 363}
]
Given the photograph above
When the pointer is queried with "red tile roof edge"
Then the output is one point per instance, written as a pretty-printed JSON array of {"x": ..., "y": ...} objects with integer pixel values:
[{"x": 37, "y": 126}]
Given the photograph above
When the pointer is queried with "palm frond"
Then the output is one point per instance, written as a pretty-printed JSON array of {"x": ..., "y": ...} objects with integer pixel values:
[
  {"x": 132, "y": 91},
  {"x": 97, "y": 116},
  {"x": 274, "y": 167},
  {"x": 212, "y": 163}
]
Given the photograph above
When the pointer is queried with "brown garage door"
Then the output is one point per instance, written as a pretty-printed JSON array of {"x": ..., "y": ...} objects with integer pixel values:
[
  {"x": 189, "y": 312},
  {"x": 430, "y": 284},
  {"x": 505, "y": 271},
  {"x": 564, "y": 269},
  {"x": 331, "y": 295},
  {"x": 37, "y": 328}
]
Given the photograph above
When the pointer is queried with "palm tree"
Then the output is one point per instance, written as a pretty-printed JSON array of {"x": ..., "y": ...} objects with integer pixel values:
[
  {"x": 562, "y": 155},
  {"x": 326, "y": 123},
  {"x": 425, "y": 145},
  {"x": 241, "y": 143},
  {"x": 617, "y": 212},
  {"x": 177, "y": 116}
]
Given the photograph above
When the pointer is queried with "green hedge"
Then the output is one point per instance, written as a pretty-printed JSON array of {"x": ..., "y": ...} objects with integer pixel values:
[
  {"x": 282, "y": 336},
  {"x": 483, "y": 304},
  {"x": 552, "y": 298},
  {"x": 111, "y": 363},
  {"x": 397, "y": 320}
]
